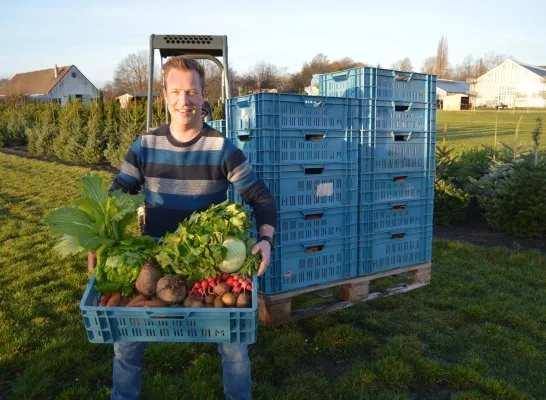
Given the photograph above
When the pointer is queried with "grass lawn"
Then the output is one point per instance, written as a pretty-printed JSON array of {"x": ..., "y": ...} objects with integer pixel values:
[
  {"x": 467, "y": 129},
  {"x": 478, "y": 331}
]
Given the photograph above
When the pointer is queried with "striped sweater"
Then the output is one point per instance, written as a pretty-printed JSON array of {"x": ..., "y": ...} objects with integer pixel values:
[{"x": 180, "y": 178}]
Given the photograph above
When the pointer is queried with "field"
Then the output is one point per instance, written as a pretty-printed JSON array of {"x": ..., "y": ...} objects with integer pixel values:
[
  {"x": 467, "y": 129},
  {"x": 476, "y": 332}
]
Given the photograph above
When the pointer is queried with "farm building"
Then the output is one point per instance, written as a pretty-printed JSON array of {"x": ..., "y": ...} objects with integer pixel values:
[
  {"x": 53, "y": 84},
  {"x": 511, "y": 84},
  {"x": 126, "y": 98},
  {"x": 454, "y": 93}
]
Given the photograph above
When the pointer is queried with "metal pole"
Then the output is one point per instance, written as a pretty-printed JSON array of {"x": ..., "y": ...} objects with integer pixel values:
[{"x": 150, "y": 85}]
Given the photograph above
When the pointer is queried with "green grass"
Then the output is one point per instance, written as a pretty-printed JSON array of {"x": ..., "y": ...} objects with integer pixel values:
[
  {"x": 466, "y": 129},
  {"x": 478, "y": 331}
]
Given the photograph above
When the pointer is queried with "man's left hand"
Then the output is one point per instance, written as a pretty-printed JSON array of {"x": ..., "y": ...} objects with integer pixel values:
[{"x": 264, "y": 248}]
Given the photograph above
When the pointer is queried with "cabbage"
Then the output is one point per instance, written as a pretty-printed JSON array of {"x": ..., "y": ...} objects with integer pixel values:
[{"x": 236, "y": 255}]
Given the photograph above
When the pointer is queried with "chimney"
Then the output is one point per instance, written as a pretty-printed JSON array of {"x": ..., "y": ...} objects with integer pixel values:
[{"x": 56, "y": 71}]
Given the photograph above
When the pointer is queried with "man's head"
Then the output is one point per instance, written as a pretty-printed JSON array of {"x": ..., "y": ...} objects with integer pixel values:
[{"x": 184, "y": 91}]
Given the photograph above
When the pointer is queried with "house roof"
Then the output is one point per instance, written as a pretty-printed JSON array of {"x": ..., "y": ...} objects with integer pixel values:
[
  {"x": 540, "y": 71},
  {"x": 36, "y": 82},
  {"x": 452, "y": 86}
]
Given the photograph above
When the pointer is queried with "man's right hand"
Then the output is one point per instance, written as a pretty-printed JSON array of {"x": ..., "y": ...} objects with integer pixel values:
[{"x": 91, "y": 261}]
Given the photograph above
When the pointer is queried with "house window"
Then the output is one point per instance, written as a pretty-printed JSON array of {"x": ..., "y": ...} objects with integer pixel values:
[{"x": 73, "y": 74}]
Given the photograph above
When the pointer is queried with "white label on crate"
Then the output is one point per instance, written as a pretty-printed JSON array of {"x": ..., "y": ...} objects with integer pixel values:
[
  {"x": 244, "y": 116},
  {"x": 325, "y": 189},
  {"x": 288, "y": 274}
]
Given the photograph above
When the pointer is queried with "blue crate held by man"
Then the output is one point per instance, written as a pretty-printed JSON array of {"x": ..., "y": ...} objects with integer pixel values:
[{"x": 167, "y": 324}]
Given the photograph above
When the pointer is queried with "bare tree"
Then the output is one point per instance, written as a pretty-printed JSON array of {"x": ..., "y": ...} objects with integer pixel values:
[
  {"x": 429, "y": 65},
  {"x": 465, "y": 70},
  {"x": 266, "y": 75},
  {"x": 442, "y": 58},
  {"x": 403, "y": 65},
  {"x": 131, "y": 74}
]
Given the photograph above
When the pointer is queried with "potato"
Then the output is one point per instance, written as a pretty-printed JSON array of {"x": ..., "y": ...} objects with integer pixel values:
[{"x": 229, "y": 299}]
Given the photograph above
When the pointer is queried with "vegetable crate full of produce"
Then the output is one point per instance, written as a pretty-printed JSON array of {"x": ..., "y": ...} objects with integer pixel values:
[{"x": 196, "y": 284}]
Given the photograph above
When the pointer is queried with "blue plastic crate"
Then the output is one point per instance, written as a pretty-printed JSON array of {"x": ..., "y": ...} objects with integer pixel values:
[
  {"x": 395, "y": 187},
  {"x": 274, "y": 146},
  {"x": 292, "y": 111},
  {"x": 300, "y": 187},
  {"x": 382, "y": 152},
  {"x": 379, "y": 84},
  {"x": 380, "y": 217},
  {"x": 312, "y": 224},
  {"x": 311, "y": 263},
  {"x": 218, "y": 124},
  {"x": 387, "y": 250},
  {"x": 168, "y": 324},
  {"x": 397, "y": 116}
]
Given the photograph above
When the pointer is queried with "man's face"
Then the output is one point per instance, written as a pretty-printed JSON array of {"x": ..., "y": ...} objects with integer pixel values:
[{"x": 184, "y": 98}]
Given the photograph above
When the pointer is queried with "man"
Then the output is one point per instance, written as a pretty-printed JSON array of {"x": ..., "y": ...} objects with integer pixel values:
[{"x": 187, "y": 166}]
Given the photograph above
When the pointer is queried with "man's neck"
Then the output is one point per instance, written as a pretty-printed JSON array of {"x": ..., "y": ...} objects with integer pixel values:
[{"x": 184, "y": 134}]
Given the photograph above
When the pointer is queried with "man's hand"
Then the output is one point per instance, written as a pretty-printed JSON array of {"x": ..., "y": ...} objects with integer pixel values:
[
  {"x": 264, "y": 248},
  {"x": 91, "y": 261}
]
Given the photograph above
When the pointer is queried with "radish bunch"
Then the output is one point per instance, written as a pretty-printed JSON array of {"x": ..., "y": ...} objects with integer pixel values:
[{"x": 206, "y": 286}]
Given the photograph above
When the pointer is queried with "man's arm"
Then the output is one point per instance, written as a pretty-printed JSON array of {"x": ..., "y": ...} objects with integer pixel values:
[{"x": 255, "y": 193}]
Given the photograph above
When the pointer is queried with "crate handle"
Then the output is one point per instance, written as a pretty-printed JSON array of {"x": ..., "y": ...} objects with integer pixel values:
[
  {"x": 314, "y": 170},
  {"x": 313, "y": 249},
  {"x": 401, "y": 137},
  {"x": 311, "y": 216},
  {"x": 314, "y": 137},
  {"x": 401, "y": 178},
  {"x": 244, "y": 137},
  {"x": 398, "y": 235},
  {"x": 243, "y": 103},
  {"x": 401, "y": 107},
  {"x": 314, "y": 103},
  {"x": 399, "y": 207},
  {"x": 402, "y": 76},
  {"x": 340, "y": 74}
]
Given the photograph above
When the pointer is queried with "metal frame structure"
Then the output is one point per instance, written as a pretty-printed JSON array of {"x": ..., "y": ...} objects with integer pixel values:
[{"x": 196, "y": 46}]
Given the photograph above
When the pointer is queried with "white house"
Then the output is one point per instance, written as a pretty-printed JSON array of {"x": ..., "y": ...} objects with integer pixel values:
[
  {"x": 53, "y": 84},
  {"x": 512, "y": 83}
]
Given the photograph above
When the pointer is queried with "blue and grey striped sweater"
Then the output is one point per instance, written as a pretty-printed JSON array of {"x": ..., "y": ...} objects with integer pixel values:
[{"x": 180, "y": 178}]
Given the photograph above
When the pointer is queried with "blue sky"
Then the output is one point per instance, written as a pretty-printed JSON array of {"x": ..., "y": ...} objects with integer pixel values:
[{"x": 96, "y": 35}]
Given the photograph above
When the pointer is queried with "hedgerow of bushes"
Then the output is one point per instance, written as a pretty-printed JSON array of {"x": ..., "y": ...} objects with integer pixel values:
[
  {"x": 99, "y": 132},
  {"x": 509, "y": 185}
]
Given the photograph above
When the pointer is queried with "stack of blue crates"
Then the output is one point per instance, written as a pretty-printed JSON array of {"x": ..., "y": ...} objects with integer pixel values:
[
  {"x": 397, "y": 163},
  {"x": 306, "y": 150},
  {"x": 351, "y": 170}
]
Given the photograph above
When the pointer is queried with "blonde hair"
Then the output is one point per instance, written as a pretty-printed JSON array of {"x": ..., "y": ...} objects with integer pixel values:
[{"x": 184, "y": 63}]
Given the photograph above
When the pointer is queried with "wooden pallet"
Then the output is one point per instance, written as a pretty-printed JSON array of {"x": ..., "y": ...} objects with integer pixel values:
[{"x": 276, "y": 309}]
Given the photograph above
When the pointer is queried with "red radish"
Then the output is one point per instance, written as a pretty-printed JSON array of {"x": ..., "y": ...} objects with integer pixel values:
[
  {"x": 236, "y": 289},
  {"x": 249, "y": 281},
  {"x": 225, "y": 276},
  {"x": 236, "y": 277},
  {"x": 204, "y": 284},
  {"x": 248, "y": 287},
  {"x": 244, "y": 285},
  {"x": 230, "y": 281}
]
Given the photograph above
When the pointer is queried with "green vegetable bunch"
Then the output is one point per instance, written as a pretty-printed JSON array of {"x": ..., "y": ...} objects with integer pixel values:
[{"x": 196, "y": 249}]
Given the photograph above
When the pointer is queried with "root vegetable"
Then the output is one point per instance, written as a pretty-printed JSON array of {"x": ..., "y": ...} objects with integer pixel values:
[
  {"x": 221, "y": 289},
  {"x": 136, "y": 299},
  {"x": 196, "y": 304},
  {"x": 171, "y": 289},
  {"x": 150, "y": 303},
  {"x": 148, "y": 277},
  {"x": 229, "y": 299},
  {"x": 124, "y": 301},
  {"x": 188, "y": 300},
  {"x": 104, "y": 299},
  {"x": 218, "y": 303},
  {"x": 114, "y": 300},
  {"x": 244, "y": 300},
  {"x": 210, "y": 299}
]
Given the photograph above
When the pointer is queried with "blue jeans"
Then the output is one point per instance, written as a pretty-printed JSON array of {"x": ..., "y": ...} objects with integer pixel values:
[{"x": 129, "y": 361}]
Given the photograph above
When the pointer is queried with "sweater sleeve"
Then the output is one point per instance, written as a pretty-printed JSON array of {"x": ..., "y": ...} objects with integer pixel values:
[
  {"x": 130, "y": 177},
  {"x": 253, "y": 190}
]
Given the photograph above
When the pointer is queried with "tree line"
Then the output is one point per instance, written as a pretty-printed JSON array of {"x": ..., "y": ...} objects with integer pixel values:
[{"x": 131, "y": 74}]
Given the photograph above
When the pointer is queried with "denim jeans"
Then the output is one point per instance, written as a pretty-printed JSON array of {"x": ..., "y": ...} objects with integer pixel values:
[{"x": 129, "y": 361}]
